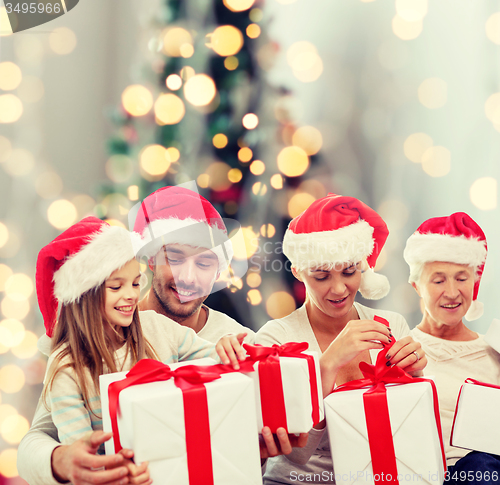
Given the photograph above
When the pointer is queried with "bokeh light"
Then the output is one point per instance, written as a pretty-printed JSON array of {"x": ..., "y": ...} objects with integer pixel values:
[
  {"x": 493, "y": 28},
  {"x": 277, "y": 181},
  {"x": 293, "y": 161},
  {"x": 173, "y": 82},
  {"x": 154, "y": 160},
  {"x": 298, "y": 203},
  {"x": 203, "y": 180},
  {"x": 483, "y": 193},
  {"x": 254, "y": 280},
  {"x": 26, "y": 349},
  {"x": 259, "y": 188},
  {"x": 62, "y": 40},
  {"x": 62, "y": 213},
  {"x": 436, "y": 161},
  {"x": 245, "y": 154},
  {"x": 433, "y": 93},
  {"x": 256, "y": 15},
  {"x": 234, "y": 175},
  {"x": 313, "y": 187},
  {"x": 200, "y": 90},
  {"x": 309, "y": 139},
  {"x": 11, "y": 379},
  {"x": 395, "y": 213},
  {"x": 137, "y": 100},
  {"x": 48, "y": 185},
  {"x": 14, "y": 428},
  {"x": 406, "y": 30},
  {"x": 133, "y": 192},
  {"x": 280, "y": 304},
  {"x": 253, "y": 31},
  {"x": 21, "y": 162},
  {"x": 245, "y": 246},
  {"x": 250, "y": 121},
  {"x": 16, "y": 309},
  {"x": 415, "y": 146},
  {"x": 257, "y": 167},
  {"x": 492, "y": 108},
  {"x": 11, "y": 108},
  {"x": 219, "y": 140},
  {"x": 175, "y": 42},
  {"x": 412, "y": 10},
  {"x": 10, "y": 76},
  {"x": 19, "y": 286},
  {"x": 226, "y": 40},
  {"x": 5, "y": 274},
  {"x": 169, "y": 109},
  {"x": 238, "y": 5},
  {"x": 305, "y": 61},
  {"x": 12, "y": 332},
  {"x": 231, "y": 63},
  {"x": 267, "y": 230},
  {"x": 187, "y": 72},
  {"x": 8, "y": 460},
  {"x": 218, "y": 173},
  {"x": 254, "y": 297}
]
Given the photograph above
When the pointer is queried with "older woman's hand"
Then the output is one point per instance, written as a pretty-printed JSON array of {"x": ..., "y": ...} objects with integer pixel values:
[{"x": 409, "y": 355}]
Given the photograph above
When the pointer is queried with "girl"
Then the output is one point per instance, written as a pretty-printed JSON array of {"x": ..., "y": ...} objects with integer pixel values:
[
  {"x": 333, "y": 246},
  {"x": 90, "y": 272}
]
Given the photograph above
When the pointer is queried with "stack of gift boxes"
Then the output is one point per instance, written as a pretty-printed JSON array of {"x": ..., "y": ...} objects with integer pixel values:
[{"x": 198, "y": 424}]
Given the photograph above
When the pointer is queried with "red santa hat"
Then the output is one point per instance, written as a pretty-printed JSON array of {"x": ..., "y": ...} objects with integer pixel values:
[
  {"x": 453, "y": 239},
  {"x": 79, "y": 259},
  {"x": 178, "y": 215},
  {"x": 338, "y": 229}
]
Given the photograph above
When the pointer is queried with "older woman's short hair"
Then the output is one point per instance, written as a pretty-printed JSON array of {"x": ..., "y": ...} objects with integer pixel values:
[{"x": 417, "y": 268}]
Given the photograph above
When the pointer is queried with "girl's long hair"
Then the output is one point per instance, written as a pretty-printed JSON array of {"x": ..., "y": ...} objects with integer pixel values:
[{"x": 80, "y": 329}]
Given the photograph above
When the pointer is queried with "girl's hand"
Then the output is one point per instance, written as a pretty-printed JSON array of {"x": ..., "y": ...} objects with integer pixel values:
[
  {"x": 356, "y": 337},
  {"x": 230, "y": 350},
  {"x": 404, "y": 354}
]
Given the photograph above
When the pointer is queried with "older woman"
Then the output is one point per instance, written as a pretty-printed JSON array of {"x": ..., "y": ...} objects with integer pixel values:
[
  {"x": 333, "y": 246},
  {"x": 446, "y": 256}
]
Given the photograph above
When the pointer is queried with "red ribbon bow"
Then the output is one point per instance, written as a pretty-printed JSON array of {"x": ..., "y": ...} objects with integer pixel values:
[
  {"x": 190, "y": 379},
  {"x": 377, "y": 412},
  {"x": 271, "y": 384}
]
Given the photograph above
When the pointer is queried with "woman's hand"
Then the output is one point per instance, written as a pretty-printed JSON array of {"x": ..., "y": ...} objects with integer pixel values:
[
  {"x": 356, "y": 337},
  {"x": 230, "y": 350},
  {"x": 404, "y": 354},
  {"x": 281, "y": 443},
  {"x": 138, "y": 474}
]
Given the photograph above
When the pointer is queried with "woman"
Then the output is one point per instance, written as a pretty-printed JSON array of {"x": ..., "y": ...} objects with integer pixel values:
[
  {"x": 333, "y": 246},
  {"x": 446, "y": 256}
]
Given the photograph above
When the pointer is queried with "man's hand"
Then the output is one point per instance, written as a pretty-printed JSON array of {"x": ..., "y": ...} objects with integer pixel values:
[
  {"x": 78, "y": 463},
  {"x": 281, "y": 443}
]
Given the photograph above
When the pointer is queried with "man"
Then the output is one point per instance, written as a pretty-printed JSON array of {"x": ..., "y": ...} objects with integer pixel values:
[{"x": 187, "y": 246}]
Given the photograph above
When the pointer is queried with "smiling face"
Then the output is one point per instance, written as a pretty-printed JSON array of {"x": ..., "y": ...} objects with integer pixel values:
[
  {"x": 183, "y": 278},
  {"x": 121, "y": 295},
  {"x": 332, "y": 291},
  {"x": 446, "y": 290}
]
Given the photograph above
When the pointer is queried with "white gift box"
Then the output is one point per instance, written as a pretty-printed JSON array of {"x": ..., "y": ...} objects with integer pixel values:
[
  {"x": 476, "y": 425},
  {"x": 417, "y": 443},
  {"x": 152, "y": 424},
  {"x": 297, "y": 394}
]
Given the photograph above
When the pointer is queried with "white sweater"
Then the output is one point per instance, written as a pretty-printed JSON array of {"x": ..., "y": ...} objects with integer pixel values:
[{"x": 450, "y": 363}]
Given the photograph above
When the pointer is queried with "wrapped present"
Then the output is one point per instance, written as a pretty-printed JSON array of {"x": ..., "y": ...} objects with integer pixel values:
[
  {"x": 194, "y": 424},
  {"x": 287, "y": 383},
  {"x": 476, "y": 425},
  {"x": 385, "y": 428}
]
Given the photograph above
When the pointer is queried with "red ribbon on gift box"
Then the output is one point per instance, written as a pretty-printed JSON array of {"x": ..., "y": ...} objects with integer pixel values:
[
  {"x": 469, "y": 380},
  {"x": 190, "y": 379},
  {"x": 378, "y": 422},
  {"x": 271, "y": 384}
]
